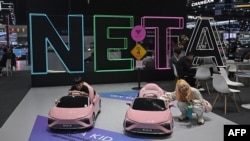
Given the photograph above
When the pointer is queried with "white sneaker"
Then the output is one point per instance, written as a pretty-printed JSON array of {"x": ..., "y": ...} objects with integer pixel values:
[{"x": 200, "y": 121}]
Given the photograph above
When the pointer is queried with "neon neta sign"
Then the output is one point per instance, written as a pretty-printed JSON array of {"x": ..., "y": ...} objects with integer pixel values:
[{"x": 198, "y": 3}]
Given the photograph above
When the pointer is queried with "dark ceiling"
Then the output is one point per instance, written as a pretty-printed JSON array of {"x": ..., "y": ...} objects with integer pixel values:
[
  {"x": 221, "y": 10},
  {"x": 131, "y": 7}
]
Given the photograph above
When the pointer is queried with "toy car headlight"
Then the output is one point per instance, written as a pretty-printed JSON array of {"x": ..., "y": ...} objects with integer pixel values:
[
  {"x": 166, "y": 125},
  {"x": 50, "y": 120},
  {"x": 128, "y": 123},
  {"x": 86, "y": 120}
]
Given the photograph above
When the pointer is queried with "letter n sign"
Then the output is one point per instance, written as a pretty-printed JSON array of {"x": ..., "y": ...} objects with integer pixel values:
[{"x": 43, "y": 34}]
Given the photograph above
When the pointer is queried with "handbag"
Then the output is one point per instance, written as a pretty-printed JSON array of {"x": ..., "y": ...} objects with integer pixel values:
[{"x": 207, "y": 105}]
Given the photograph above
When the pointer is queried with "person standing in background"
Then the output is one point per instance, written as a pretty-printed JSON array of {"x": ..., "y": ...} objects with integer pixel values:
[
  {"x": 13, "y": 58},
  {"x": 3, "y": 60},
  {"x": 184, "y": 68},
  {"x": 175, "y": 57}
]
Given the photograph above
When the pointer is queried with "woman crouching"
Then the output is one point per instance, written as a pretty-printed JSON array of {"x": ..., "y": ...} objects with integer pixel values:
[{"x": 189, "y": 100}]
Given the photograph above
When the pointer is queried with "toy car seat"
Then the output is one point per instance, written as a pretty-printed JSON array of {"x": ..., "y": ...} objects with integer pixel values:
[
  {"x": 151, "y": 90},
  {"x": 91, "y": 90}
]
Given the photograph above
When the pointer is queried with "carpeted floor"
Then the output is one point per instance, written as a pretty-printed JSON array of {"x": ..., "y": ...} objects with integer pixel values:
[{"x": 12, "y": 91}]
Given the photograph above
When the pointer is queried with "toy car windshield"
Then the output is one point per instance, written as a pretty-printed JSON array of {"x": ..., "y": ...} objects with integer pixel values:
[
  {"x": 73, "y": 102},
  {"x": 149, "y": 104}
]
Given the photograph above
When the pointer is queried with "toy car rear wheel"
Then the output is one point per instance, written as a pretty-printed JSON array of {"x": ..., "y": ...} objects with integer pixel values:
[
  {"x": 100, "y": 106},
  {"x": 93, "y": 118}
]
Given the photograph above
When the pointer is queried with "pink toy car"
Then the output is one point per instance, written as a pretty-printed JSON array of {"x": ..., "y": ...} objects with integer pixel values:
[
  {"x": 148, "y": 113},
  {"x": 75, "y": 112}
]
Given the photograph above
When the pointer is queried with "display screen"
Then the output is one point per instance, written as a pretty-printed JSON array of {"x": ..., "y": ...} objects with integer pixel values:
[{"x": 229, "y": 35}]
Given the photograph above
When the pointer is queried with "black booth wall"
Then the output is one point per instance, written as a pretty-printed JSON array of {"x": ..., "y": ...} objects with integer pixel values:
[
  {"x": 137, "y": 8},
  {"x": 61, "y": 79}
]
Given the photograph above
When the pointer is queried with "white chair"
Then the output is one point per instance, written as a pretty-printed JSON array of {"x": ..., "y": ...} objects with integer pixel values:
[
  {"x": 220, "y": 85},
  {"x": 215, "y": 68},
  {"x": 203, "y": 74},
  {"x": 9, "y": 69},
  {"x": 175, "y": 72},
  {"x": 232, "y": 68},
  {"x": 246, "y": 60},
  {"x": 235, "y": 84},
  {"x": 223, "y": 72}
]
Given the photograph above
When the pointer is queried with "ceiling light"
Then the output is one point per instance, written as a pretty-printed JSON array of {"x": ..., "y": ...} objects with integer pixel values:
[{"x": 242, "y": 6}]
